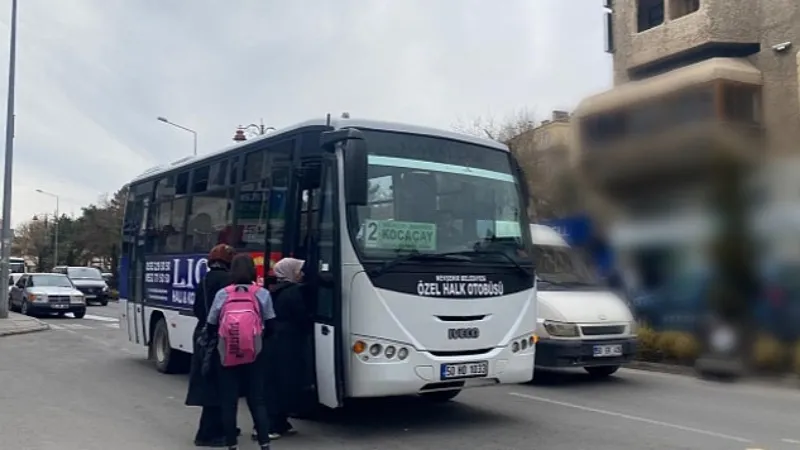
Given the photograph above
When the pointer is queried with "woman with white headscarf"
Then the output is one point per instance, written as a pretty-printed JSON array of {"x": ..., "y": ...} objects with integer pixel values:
[{"x": 286, "y": 350}]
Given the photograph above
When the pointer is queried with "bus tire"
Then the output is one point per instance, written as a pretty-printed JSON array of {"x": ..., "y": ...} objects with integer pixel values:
[
  {"x": 165, "y": 358},
  {"x": 441, "y": 396},
  {"x": 601, "y": 371}
]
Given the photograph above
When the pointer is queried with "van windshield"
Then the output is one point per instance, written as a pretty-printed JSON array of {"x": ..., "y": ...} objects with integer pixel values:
[{"x": 562, "y": 267}]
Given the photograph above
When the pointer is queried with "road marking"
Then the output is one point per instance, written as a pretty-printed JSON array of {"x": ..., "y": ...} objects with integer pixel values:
[
  {"x": 55, "y": 327},
  {"x": 632, "y": 418},
  {"x": 111, "y": 325},
  {"x": 76, "y": 326},
  {"x": 100, "y": 318},
  {"x": 791, "y": 441}
]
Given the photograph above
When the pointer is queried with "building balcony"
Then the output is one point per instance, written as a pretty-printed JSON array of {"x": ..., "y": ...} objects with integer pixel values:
[
  {"x": 686, "y": 154},
  {"x": 667, "y": 32}
]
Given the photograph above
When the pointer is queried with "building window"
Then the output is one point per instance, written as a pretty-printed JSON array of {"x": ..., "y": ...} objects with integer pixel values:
[
  {"x": 742, "y": 103},
  {"x": 650, "y": 14},
  {"x": 680, "y": 8}
]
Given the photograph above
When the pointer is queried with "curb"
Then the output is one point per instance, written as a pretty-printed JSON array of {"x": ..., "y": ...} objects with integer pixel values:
[
  {"x": 40, "y": 326},
  {"x": 662, "y": 368},
  {"x": 788, "y": 381}
]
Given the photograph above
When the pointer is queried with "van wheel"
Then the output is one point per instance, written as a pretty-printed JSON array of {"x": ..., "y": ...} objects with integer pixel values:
[
  {"x": 166, "y": 359},
  {"x": 441, "y": 396},
  {"x": 601, "y": 371}
]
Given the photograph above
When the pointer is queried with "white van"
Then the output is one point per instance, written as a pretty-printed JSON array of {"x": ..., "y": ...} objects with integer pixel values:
[{"x": 581, "y": 322}]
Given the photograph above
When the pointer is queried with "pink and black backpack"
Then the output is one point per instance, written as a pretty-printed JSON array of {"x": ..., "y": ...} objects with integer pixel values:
[{"x": 240, "y": 326}]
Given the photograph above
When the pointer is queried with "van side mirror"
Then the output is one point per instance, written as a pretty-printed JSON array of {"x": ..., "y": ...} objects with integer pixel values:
[{"x": 354, "y": 152}]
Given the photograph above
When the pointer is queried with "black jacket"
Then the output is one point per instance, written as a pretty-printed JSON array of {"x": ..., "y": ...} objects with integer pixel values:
[
  {"x": 288, "y": 352},
  {"x": 203, "y": 390}
]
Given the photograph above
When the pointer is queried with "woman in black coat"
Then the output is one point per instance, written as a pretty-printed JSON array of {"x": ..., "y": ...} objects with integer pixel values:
[
  {"x": 203, "y": 389},
  {"x": 284, "y": 352}
]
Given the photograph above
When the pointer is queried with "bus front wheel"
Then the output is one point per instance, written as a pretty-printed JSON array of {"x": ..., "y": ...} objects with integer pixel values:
[
  {"x": 166, "y": 359},
  {"x": 441, "y": 396}
]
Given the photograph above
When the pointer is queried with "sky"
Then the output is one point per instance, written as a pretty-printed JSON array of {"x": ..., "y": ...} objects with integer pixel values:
[{"x": 93, "y": 75}]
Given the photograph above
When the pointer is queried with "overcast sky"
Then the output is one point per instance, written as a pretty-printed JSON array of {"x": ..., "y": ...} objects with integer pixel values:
[{"x": 93, "y": 75}]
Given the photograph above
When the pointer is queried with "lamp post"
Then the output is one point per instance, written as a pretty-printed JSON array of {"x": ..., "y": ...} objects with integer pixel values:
[
  {"x": 56, "y": 220},
  {"x": 9, "y": 162},
  {"x": 194, "y": 133},
  {"x": 257, "y": 129}
]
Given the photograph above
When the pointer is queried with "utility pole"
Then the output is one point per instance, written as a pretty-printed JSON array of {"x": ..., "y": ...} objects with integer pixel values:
[{"x": 6, "y": 230}]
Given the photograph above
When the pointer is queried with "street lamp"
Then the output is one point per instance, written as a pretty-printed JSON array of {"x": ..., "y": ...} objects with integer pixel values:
[
  {"x": 256, "y": 129},
  {"x": 5, "y": 242},
  {"x": 164, "y": 119},
  {"x": 55, "y": 249}
]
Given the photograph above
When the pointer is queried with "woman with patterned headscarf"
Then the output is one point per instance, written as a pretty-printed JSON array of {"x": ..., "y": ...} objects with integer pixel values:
[{"x": 203, "y": 389}]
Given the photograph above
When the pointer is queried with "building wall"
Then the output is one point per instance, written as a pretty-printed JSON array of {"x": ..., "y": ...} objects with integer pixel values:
[{"x": 763, "y": 22}]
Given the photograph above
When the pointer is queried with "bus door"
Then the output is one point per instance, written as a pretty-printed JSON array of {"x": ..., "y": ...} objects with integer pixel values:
[{"x": 322, "y": 253}]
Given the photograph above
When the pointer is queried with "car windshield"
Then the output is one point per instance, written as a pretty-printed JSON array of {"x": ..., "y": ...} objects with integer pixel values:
[
  {"x": 431, "y": 195},
  {"x": 562, "y": 265},
  {"x": 48, "y": 280},
  {"x": 84, "y": 273}
]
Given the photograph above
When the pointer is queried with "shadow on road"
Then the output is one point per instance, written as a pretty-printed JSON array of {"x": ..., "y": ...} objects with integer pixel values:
[
  {"x": 570, "y": 379},
  {"x": 368, "y": 418}
]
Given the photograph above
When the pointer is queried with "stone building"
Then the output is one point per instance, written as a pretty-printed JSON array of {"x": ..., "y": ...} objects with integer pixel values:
[{"x": 696, "y": 82}]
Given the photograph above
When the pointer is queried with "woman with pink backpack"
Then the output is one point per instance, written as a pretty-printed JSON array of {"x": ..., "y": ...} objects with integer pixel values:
[{"x": 240, "y": 319}]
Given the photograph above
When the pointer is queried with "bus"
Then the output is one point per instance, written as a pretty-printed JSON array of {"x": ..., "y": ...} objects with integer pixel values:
[
  {"x": 17, "y": 265},
  {"x": 417, "y": 242}
]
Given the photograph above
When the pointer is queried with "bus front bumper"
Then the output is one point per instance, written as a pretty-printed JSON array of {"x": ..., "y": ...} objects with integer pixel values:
[{"x": 423, "y": 372}]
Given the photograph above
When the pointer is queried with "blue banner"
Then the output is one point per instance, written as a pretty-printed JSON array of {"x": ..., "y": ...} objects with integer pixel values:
[{"x": 170, "y": 280}]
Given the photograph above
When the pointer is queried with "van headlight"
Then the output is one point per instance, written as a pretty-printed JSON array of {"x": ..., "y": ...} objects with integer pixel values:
[{"x": 561, "y": 329}]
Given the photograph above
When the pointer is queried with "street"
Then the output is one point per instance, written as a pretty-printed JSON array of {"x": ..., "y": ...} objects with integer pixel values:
[{"x": 80, "y": 386}]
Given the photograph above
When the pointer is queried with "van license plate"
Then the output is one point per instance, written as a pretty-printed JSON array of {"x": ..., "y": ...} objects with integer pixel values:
[
  {"x": 465, "y": 370},
  {"x": 605, "y": 351}
]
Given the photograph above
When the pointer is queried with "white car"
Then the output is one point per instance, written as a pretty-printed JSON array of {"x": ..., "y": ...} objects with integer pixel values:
[
  {"x": 581, "y": 323},
  {"x": 46, "y": 293}
]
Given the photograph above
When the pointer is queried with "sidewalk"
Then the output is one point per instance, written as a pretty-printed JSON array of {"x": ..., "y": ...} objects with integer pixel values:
[{"x": 19, "y": 324}]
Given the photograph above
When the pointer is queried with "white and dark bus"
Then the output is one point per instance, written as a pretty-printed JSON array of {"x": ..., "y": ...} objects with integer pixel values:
[
  {"x": 418, "y": 240},
  {"x": 17, "y": 265}
]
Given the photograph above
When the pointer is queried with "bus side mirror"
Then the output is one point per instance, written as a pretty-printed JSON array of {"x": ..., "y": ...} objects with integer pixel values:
[{"x": 354, "y": 151}]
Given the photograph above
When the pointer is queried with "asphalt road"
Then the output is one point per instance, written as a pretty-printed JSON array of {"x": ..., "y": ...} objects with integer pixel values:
[{"x": 80, "y": 387}]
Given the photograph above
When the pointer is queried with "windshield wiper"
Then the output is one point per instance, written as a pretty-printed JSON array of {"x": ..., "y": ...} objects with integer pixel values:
[
  {"x": 474, "y": 253},
  {"x": 416, "y": 256}
]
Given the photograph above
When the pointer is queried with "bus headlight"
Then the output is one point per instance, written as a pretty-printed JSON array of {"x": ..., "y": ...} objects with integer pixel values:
[
  {"x": 561, "y": 329},
  {"x": 368, "y": 350},
  {"x": 524, "y": 342}
]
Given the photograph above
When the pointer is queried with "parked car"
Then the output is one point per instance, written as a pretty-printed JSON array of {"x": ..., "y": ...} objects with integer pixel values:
[
  {"x": 88, "y": 280},
  {"x": 581, "y": 323},
  {"x": 46, "y": 293}
]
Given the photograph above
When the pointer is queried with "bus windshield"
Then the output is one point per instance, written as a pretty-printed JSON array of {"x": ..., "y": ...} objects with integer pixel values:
[
  {"x": 16, "y": 265},
  {"x": 434, "y": 195}
]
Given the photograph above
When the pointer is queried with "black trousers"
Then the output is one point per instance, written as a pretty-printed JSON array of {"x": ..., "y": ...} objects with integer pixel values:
[
  {"x": 210, "y": 427},
  {"x": 250, "y": 379}
]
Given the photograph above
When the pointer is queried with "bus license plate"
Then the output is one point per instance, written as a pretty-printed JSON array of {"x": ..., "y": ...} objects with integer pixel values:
[
  {"x": 465, "y": 370},
  {"x": 605, "y": 351}
]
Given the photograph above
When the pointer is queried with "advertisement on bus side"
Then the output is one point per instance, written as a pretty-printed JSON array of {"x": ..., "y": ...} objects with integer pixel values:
[{"x": 170, "y": 280}]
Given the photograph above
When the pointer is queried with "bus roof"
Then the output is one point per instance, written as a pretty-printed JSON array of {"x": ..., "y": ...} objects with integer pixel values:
[{"x": 335, "y": 124}]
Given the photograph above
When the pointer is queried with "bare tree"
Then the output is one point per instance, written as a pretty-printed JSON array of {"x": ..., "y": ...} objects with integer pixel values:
[{"x": 551, "y": 181}]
